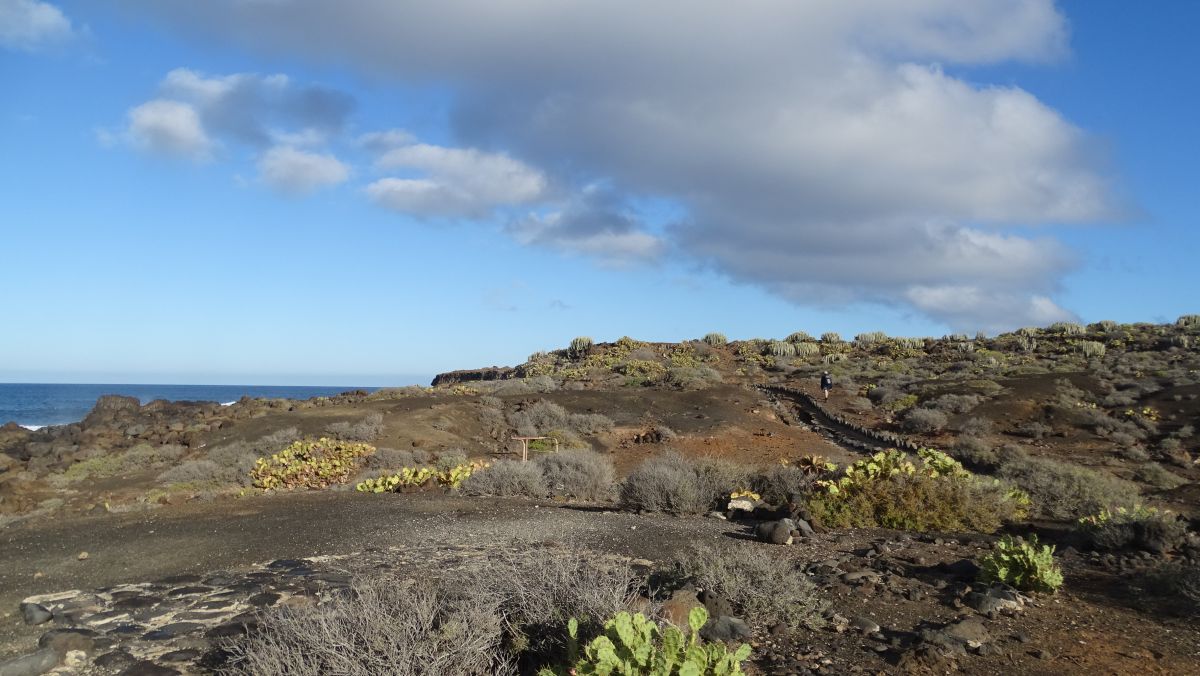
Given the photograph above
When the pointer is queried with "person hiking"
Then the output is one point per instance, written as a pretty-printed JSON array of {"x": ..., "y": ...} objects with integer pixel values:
[{"x": 826, "y": 384}]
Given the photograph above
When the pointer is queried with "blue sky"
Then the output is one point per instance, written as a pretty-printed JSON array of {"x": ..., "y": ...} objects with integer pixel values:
[{"x": 174, "y": 211}]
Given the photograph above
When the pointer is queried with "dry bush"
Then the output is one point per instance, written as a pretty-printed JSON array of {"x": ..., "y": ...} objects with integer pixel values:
[
  {"x": 765, "y": 589},
  {"x": 507, "y": 478},
  {"x": 195, "y": 471},
  {"x": 1137, "y": 528},
  {"x": 538, "y": 418},
  {"x": 675, "y": 484},
  {"x": 955, "y": 403},
  {"x": 579, "y": 474},
  {"x": 367, "y": 429},
  {"x": 860, "y": 404},
  {"x": 386, "y": 626},
  {"x": 1032, "y": 429},
  {"x": 781, "y": 484},
  {"x": 693, "y": 377},
  {"x": 539, "y": 592},
  {"x": 976, "y": 427},
  {"x": 446, "y": 459},
  {"x": 390, "y": 458},
  {"x": 1064, "y": 491},
  {"x": 1158, "y": 476},
  {"x": 590, "y": 424},
  {"x": 924, "y": 420}
]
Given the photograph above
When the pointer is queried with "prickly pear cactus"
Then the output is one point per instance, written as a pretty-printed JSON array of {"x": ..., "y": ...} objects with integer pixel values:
[{"x": 632, "y": 645}]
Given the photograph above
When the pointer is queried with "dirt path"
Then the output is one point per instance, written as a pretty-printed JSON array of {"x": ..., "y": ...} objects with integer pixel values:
[
  {"x": 833, "y": 430},
  {"x": 41, "y": 557}
]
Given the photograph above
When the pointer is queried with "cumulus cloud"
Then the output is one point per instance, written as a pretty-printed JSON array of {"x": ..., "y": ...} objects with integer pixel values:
[
  {"x": 194, "y": 112},
  {"x": 30, "y": 25},
  {"x": 593, "y": 223},
  {"x": 453, "y": 181},
  {"x": 299, "y": 172},
  {"x": 822, "y": 150},
  {"x": 171, "y": 128}
]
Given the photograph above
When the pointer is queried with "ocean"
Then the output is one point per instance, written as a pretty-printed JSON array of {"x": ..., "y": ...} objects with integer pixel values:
[{"x": 36, "y": 405}]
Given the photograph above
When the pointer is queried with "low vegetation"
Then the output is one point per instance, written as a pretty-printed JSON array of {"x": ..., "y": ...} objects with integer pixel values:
[
  {"x": 1022, "y": 564},
  {"x": 632, "y": 645},
  {"x": 766, "y": 588},
  {"x": 310, "y": 464},
  {"x": 889, "y": 490}
]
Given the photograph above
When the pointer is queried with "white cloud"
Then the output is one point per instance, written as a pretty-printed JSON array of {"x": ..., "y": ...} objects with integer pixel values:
[
  {"x": 194, "y": 111},
  {"x": 594, "y": 223},
  {"x": 455, "y": 181},
  {"x": 818, "y": 149},
  {"x": 169, "y": 128},
  {"x": 298, "y": 172},
  {"x": 30, "y": 25},
  {"x": 383, "y": 141}
]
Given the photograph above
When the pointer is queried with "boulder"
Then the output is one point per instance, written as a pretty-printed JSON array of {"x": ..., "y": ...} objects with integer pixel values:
[
  {"x": 33, "y": 664},
  {"x": 774, "y": 532},
  {"x": 35, "y": 613},
  {"x": 725, "y": 628},
  {"x": 677, "y": 608}
]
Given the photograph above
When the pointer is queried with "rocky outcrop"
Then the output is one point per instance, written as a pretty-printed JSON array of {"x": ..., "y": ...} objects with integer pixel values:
[{"x": 474, "y": 375}]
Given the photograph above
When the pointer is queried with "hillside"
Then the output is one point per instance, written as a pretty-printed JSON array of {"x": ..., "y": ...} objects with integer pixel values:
[{"x": 1042, "y": 427}]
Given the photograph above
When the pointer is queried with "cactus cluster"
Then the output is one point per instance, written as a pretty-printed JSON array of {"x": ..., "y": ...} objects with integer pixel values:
[
  {"x": 310, "y": 464},
  {"x": 799, "y": 337},
  {"x": 411, "y": 477},
  {"x": 870, "y": 338},
  {"x": 807, "y": 350},
  {"x": 1091, "y": 348},
  {"x": 715, "y": 339},
  {"x": 632, "y": 645},
  {"x": 831, "y": 337},
  {"x": 781, "y": 348},
  {"x": 580, "y": 347}
]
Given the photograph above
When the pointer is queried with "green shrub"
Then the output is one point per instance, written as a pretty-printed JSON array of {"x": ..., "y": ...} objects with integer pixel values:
[
  {"x": 780, "y": 484},
  {"x": 715, "y": 339},
  {"x": 1064, "y": 491},
  {"x": 632, "y": 645},
  {"x": 766, "y": 589},
  {"x": 1023, "y": 565},
  {"x": 643, "y": 371},
  {"x": 674, "y": 484},
  {"x": 310, "y": 464},
  {"x": 579, "y": 474},
  {"x": 580, "y": 347},
  {"x": 1138, "y": 527},
  {"x": 888, "y": 490},
  {"x": 507, "y": 478}
]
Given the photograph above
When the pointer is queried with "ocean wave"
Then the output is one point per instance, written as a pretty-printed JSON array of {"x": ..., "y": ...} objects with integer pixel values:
[
  {"x": 228, "y": 403},
  {"x": 33, "y": 428}
]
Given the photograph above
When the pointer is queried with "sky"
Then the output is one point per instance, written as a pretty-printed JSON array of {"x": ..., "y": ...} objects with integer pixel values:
[{"x": 369, "y": 192}]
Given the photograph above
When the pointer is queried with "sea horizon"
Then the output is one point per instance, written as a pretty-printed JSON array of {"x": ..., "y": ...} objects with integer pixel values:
[{"x": 37, "y": 405}]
